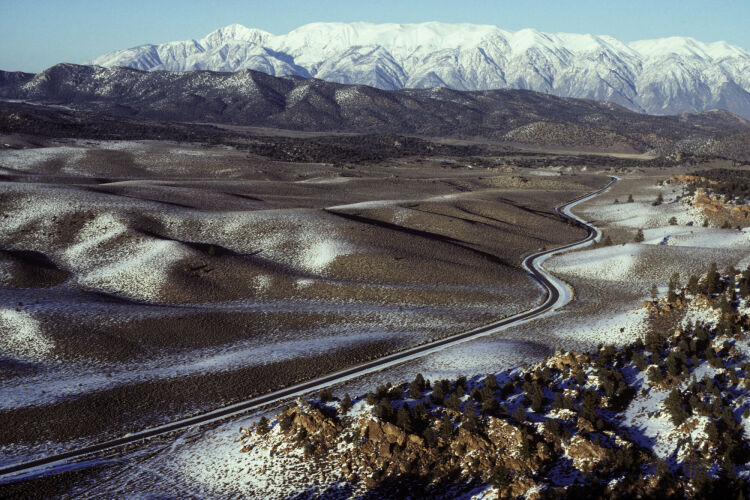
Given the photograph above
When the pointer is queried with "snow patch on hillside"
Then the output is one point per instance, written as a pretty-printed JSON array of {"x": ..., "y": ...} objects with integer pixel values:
[{"x": 21, "y": 337}]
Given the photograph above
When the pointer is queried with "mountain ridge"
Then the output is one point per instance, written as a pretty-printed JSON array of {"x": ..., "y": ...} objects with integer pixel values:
[
  {"x": 662, "y": 76},
  {"x": 253, "y": 98}
]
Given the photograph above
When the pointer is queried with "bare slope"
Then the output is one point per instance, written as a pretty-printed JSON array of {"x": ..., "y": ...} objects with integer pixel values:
[{"x": 253, "y": 98}]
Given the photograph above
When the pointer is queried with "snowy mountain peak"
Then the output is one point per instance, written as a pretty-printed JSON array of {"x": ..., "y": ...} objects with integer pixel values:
[
  {"x": 665, "y": 76},
  {"x": 236, "y": 33}
]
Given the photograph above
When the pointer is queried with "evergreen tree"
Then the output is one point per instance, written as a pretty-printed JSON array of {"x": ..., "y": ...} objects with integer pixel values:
[
  {"x": 659, "y": 200},
  {"x": 491, "y": 382},
  {"x": 325, "y": 395},
  {"x": 414, "y": 390},
  {"x": 630, "y": 198},
  {"x": 639, "y": 237},
  {"x": 384, "y": 410},
  {"x": 712, "y": 283},
  {"x": 453, "y": 402},
  {"x": 404, "y": 419},
  {"x": 693, "y": 285},
  {"x": 446, "y": 427},
  {"x": 429, "y": 437},
  {"x": 419, "y": 380},
  {"x": 263, "y": 426},
  {"x": 732, "y": 289},
  {"x": 674, "y": 405},
  {"x": 490, "y": 406},
  {"x": 500, "y": 477},
  {"x": 438, "y": 395},
  {"x": 285, "y": 421},
  {"x": 469, "y": 419},
  {"x": 346, "y": 403},
  {"x": 674, "y": 284},
  {"x": 419, "y": 411}
]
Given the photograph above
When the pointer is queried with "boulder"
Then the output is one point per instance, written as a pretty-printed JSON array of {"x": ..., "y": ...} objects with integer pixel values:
[
  {"x": 504, "y": 434},
  {"x": 394, "y": 434},
  {"x": 585, "y": 453},
  {"x": 584, "y": 425},
  {"x": 471, "y": 442}
]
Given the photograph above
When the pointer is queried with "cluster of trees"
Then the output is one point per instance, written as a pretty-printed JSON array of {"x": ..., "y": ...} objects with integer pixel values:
[
  {"x": 353, "y": 148},
  {"x": 16, "y": 118},
  {"x": 734, "y": 184},
  {"x": 434, "y": 410}
]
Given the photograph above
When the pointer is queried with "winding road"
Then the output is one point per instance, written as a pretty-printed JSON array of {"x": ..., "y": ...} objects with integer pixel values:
[{"x": 558, "y": 294}]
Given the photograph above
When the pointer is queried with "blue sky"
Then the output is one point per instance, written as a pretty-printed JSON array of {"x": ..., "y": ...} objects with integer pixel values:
[{"x": 36, "y": 34}]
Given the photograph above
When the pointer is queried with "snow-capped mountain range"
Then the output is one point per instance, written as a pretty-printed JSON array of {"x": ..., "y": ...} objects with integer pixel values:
[{"x": 664, "y": 76}]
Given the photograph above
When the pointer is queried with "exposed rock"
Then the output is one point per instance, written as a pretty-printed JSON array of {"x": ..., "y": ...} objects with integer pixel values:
[
  {"x": 585, "y": 425},
  {"x": 585, "y": 453}
]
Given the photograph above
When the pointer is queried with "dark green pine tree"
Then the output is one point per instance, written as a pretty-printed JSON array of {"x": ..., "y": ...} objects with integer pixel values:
[
  {"x": 469, "y": 419},
  {"x": 446, "y": 428},
  {"x": 404, "y": 419},
  {"x": 712, "y": 283},
  {"x": 346, "y": 403},
  {"x": 263, "y": 426}
]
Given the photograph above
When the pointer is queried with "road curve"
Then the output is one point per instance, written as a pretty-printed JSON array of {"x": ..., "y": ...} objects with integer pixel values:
[{"x": 557, "y": 295}]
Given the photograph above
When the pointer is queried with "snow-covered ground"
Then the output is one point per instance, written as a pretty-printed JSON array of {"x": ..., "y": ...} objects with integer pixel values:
[{"x": 610, "y": 284}]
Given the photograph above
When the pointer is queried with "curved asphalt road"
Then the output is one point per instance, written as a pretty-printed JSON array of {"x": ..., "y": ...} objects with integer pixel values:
[{"x": 558, "y": 294}]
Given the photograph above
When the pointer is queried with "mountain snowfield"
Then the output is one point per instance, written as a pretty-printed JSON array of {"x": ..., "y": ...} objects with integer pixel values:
[{"x": 665, "y": 76}]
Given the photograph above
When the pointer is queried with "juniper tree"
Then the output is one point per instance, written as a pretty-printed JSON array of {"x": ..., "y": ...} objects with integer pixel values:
[
  {"x": 462, "y": 385},
  {"x": 438, "y": 395},
  {"x": 446, "y": 427},
  {"x": 674, "y": 406},
  {"x": 469, "y": 419},
  {"x": 630, "y": 198},
  {"x": 453, "y": 402},
  {"x": 491, "y": 382},
  {"x": 325, "y": 395},
  {"x": 404, "y": 419},
  {"x": 476, "y": 394},
  {"x": 263, "y": 426},
  {"x": 419, "y": 380},
  {"x": 674, "y": 284},
  {"x": 639, "y": 237},
  {"x": 534, "y": 395},
  {"x": 384, "y": 410},
  {"x": 419, "y": 411},
  {"x": 415, "y": 392},
  {"x": 500, "y": 477},
  {"x": 346, "y": 403},
  {"x": 285, "y": 421},
  {"x": 692, "y": 284},
  {"x": 429, "y": 437},
  {"x": 712, "y": 283},
  {"x": 490, "y": 406}
]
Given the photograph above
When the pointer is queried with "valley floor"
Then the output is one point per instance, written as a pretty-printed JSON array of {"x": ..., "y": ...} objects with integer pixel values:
[{"x": 144, "y": 281}]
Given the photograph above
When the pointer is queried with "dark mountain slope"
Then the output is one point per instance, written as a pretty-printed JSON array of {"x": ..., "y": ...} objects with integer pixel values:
[{"x": 258, "y": 99}]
